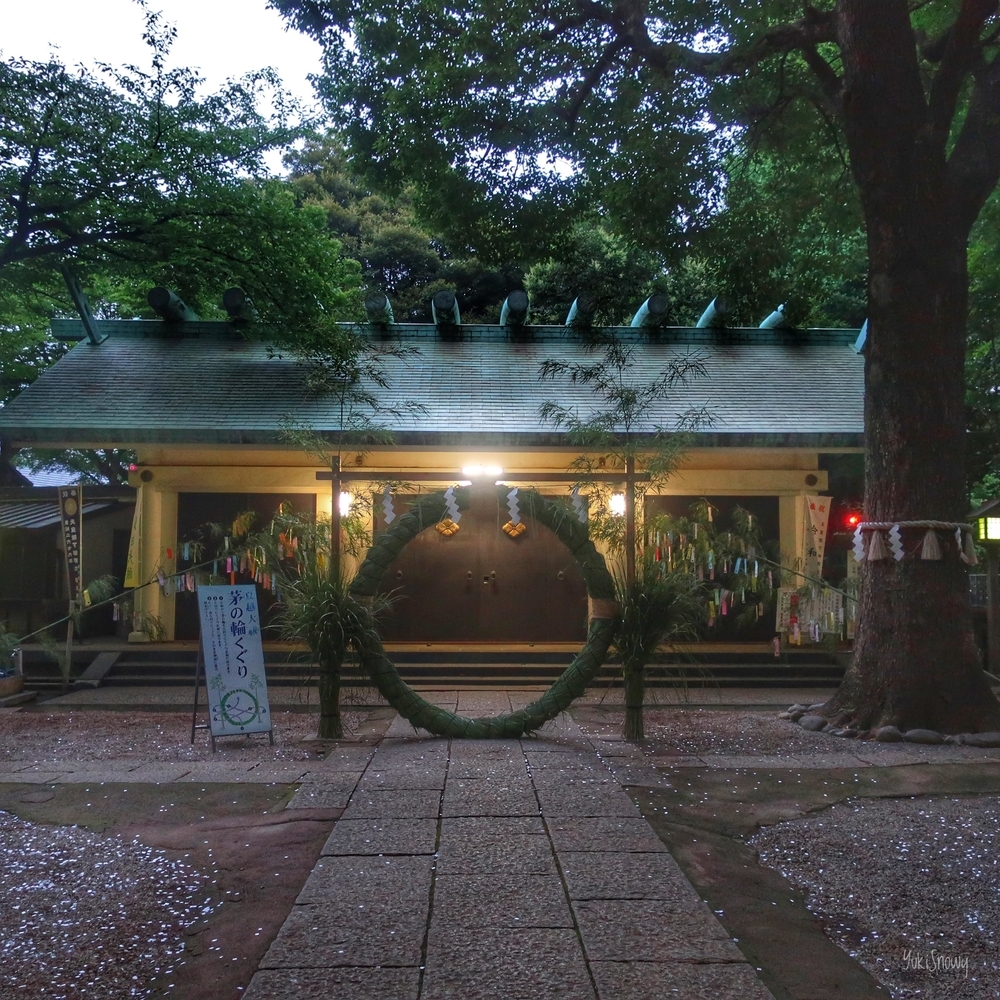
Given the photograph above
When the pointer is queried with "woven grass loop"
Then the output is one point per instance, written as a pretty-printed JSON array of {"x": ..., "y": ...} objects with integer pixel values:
[{"x": 574, "y": 680}]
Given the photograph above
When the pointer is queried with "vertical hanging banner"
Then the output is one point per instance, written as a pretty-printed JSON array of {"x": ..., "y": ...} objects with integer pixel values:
[
  {"x": 71, "y": 517},
  {"x": 234, "y": 660},
  {"x": 132, "y": 565},
  {"x": 815, "y": 524}
]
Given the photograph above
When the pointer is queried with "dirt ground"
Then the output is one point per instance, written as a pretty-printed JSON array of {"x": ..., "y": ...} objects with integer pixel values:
[
  {"x": 249, "y": 857},
  {"x": 45, "y": 736}
]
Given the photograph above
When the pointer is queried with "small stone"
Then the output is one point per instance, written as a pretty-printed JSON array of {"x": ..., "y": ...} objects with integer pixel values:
[
  {"x": 798, "y": 707},
  {"x": 816, "y": 707},
  {"x": 953, "y": 740},
  {"x": 784, "y": 715},
  {"x": 812, "y": 723},
  {"x": 888, "y": 734},
  {"x": 829, "y": 728},
  {"x": 196, "y": 928},
  {"x": 922, "y": 736},
  {"x": 849, "y": 733},
  {"x": 195, "y": 946},
  {"x": 981, "y": 739}
]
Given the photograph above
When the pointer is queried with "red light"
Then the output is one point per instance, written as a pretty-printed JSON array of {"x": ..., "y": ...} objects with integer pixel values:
[
  {"x": 853, "y": 520},
  {"x": 133, "y": 467}
]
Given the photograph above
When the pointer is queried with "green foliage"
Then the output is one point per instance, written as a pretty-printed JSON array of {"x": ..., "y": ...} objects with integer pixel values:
[
  {"x": 98, "y": 466},
  {"x": 609, "y": 433},
  {"x": 317, "y": 606},
  {"x": 134, "y": 178},
  {"x": 612, "y": 271},
  {"x": 656, "y": 608},
  {"x": 397, "y": 253},
  {"x": 732, "y": 567}
]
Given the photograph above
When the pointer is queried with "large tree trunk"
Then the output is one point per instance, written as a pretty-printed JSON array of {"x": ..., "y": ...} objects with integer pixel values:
[{"x": 915, "y": 662}]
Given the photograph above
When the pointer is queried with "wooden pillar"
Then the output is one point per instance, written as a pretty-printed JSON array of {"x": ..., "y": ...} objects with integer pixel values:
[
  {"x": 335, "y": 485},
  {"x": 993, "y": 609},
  {"x": 630, "y": 521},
  {"x": 159, "y": 534}
]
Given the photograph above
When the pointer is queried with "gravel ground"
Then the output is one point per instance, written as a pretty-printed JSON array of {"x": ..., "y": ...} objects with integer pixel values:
[
  {"x": 147, "y": 736},
  {"x": 706, "y": 731},
  {"x": 89, "y": 916},
  {"x": 908, "y": 887}
]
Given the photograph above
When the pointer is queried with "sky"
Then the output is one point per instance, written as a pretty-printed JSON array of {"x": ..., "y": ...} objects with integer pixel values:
[{"x": 221, "y": 38}]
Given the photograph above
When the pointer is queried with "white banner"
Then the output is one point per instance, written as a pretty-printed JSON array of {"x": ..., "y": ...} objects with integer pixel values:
[
  {"x": 815, "y": 524},
  {"x": 234, "y": 660}
]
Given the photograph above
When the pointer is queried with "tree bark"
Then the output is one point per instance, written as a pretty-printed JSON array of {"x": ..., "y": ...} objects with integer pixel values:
[{"x": 915, "y": 662}]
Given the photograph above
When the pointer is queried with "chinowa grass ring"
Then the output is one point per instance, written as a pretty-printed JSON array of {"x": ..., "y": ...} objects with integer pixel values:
[{"x": 427, "y": 512}]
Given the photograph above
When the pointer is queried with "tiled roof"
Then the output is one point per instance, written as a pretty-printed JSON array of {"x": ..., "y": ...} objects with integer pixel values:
[
  {"x": 33, "y": 514},
  {"x": 762, "y": 387}
]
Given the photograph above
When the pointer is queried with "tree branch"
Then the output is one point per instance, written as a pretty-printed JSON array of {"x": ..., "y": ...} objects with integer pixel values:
[
  {"x": 974, "y": 165},
  {"x": 960, "y": 54},
  {"x": 593, "y": 78},
  {"x": 809, "y": 31}
]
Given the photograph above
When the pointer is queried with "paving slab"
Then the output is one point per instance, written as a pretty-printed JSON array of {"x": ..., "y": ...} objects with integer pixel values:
[
  {"x": 584, "y": 801},
  {"x": 493, "y": 766},
  {"x": 614, "y": 875},
  {"x": 405, "y": 803},
  {"x": 365, "y": 883},
  {"x": 525, "y": 854},
  {"x": 377, "y": 836},
  {"x": 603, "y": 833},
  {"x": 399, "y": 776},
  {"x": 505, "y": 964},
  {"x": 677, "y": 981},
  {"x": 482, "y": 703},
  {"x": 313, "y": 796},
  {"x": 478, "y": 901},
  {"x": 327, "y": 935},
  {"x": 490, "y": 797},
  {"x": 653, "y": 930},
  {"x": 344, "y": 984}
]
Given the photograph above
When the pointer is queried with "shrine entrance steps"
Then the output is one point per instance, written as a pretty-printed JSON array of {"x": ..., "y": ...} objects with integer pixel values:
[{"x": 750, "y": 665}]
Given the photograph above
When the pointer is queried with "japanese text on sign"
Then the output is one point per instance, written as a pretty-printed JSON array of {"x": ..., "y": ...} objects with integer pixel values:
[{"x": 234, "y": 660}]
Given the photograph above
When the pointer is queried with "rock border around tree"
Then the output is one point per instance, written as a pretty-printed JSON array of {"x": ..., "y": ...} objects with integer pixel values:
[{"x": 425, "y": 513}]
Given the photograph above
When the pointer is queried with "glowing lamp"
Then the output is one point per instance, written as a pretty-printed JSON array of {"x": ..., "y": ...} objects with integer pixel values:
[
  {"x": 481, "y": 471},
  {"x": 852, "y": 520},
  {"x": 617, "y": 504},
  {"x": 346, "y": 499}
]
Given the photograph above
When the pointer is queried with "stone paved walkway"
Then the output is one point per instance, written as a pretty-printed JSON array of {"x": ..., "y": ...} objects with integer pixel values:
[{"x": 493, "y": 870}]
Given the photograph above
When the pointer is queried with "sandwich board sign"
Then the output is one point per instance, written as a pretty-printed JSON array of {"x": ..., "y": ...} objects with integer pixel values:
[{"x": 232, "y": 658}]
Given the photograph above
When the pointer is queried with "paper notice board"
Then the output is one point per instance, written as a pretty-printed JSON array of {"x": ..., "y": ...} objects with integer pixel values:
[{"x": 234, "y": 660}]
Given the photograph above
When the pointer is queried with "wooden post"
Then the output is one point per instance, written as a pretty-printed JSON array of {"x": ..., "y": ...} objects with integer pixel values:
[
  {"x": 335, "y": 484},
  {"x": 993, "y": 608},
  {"x": 630, "y": 521},
  {"x": 68, "y": 670}
]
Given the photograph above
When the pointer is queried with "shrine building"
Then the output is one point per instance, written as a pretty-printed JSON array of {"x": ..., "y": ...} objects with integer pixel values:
[{"x": 207, "y": 412}]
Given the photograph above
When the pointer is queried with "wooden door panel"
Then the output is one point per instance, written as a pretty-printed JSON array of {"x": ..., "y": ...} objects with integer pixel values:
[{"x": 480, "y": 585}]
